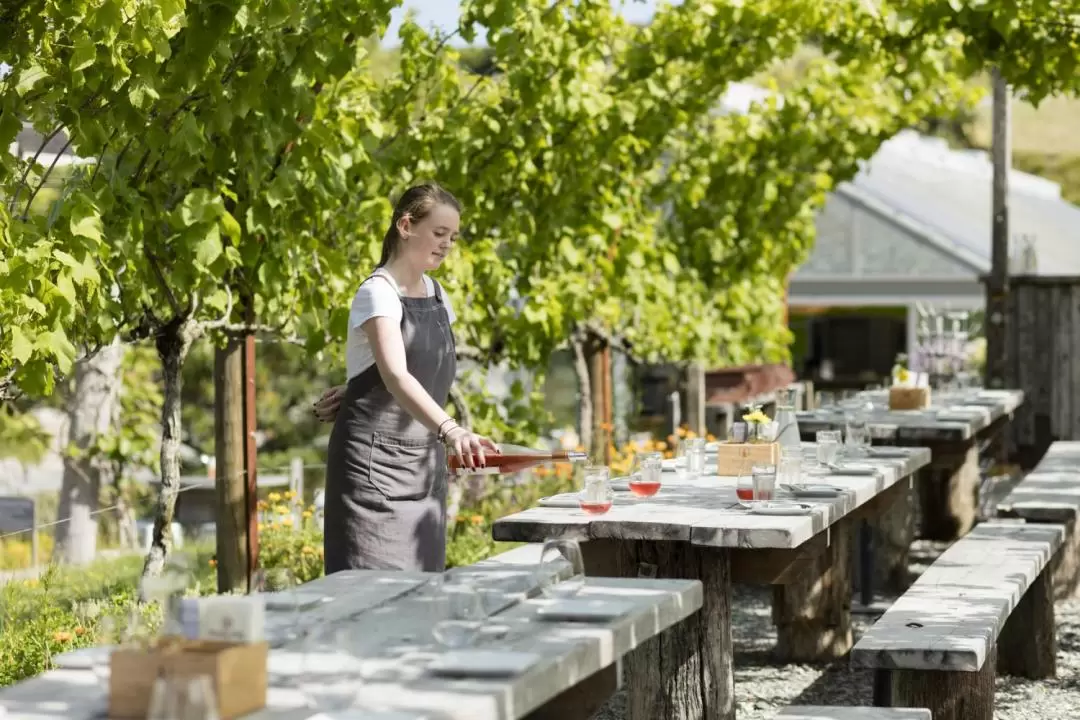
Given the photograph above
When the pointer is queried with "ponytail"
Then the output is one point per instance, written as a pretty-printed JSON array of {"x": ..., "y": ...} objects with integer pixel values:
[{"x": 415, "y": 204}]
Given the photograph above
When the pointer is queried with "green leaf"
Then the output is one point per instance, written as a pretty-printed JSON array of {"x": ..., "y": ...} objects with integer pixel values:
[
  {"x": 209, "y": 247},
  {"x": 84, "y": 54},
  {"x": 30, "y": 77},
  {"x": 21, "y": 347},
  {"x": 87, "y": 226}
]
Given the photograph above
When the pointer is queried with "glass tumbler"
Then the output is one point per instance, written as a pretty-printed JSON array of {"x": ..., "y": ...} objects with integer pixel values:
[
  {"x": 764, "y": 478},
  {"x": 827, "y": 449}
]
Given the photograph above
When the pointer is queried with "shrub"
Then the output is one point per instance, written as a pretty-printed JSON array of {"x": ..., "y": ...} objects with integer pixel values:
[
  {"x": 17, "y": 553},
  {"x": 289, "y": 537}
]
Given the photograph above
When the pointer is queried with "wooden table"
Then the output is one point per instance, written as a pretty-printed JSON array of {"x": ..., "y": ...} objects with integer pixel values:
[
  {"x": 574, "y": 672},
  {"x": 696, "y": 529},
  {"x": 956, "y": 428}
]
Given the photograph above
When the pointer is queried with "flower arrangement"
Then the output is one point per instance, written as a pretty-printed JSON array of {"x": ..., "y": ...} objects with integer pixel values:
[{"x": 759, "y": 426}]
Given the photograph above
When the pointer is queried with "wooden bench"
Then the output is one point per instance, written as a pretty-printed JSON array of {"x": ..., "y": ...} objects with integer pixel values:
[
  {"x": 1051, "y": 494},
  {"x": 822, "y": 712},
  {"x": 985, "y": 605}
]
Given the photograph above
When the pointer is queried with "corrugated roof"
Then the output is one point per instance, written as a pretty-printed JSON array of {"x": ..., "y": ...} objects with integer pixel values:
[{"x": 949, "y": 192}]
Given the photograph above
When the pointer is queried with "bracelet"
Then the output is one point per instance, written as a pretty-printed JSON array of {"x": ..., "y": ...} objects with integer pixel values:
[{"x": 439, "y": 433}]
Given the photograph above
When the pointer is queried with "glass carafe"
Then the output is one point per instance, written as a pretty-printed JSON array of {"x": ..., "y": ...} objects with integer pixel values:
[{"x": 787, "y": 426}]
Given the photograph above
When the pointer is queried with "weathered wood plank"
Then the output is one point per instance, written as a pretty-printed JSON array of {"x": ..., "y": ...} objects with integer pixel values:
[
  {"x": 1060, "y": 380},
  {"x": 822, "y": 712},
  {"x": 951, "y": 616}
]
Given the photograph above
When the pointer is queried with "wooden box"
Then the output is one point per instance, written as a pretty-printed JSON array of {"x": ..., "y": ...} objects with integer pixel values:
[
  {"x": 237, "y": 672},
  {"x": 909, "y": 398},
  {"x": 733, "y": 459}
]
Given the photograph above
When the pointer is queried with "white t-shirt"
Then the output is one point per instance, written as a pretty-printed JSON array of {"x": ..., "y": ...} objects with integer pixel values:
[{"x": 377, "y": 298}]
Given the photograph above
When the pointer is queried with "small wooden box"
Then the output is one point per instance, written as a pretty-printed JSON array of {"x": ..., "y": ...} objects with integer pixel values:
[
  {"x": 237, "y": 672},
  {"x": 734, "y": 459},
  {"x": 909, "y": 398}
]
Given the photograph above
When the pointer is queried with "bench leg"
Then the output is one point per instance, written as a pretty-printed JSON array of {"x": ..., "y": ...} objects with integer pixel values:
[
  {"x": 684, "y": 673},
  {"x": 948, "y": 492},
  {"x": 1067, "y": 566},
  {"x": 813, "y": 613},
  {"x": 949, "y": 695},
  {"x": 1027, "y": 646}
]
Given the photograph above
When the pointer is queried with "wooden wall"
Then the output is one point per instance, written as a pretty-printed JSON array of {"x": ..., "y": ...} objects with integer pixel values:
[{"x": 1044, "y": 362}]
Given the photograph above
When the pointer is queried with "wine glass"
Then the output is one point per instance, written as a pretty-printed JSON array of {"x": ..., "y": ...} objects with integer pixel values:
[
  {"x": 175, "y": 697},
  {"x": 561, "y": 573},
  {"x": 597, "y": 497},
  {"x": 266, "y": 580},
  {"x": 461, "y": 615}
]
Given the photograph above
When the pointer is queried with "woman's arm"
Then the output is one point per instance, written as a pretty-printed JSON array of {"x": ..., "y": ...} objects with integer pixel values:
[{"x": 384, "y": 337}]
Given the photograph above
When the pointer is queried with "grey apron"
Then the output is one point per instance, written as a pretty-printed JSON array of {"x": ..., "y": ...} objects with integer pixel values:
[{"x": 386, "y": 473}]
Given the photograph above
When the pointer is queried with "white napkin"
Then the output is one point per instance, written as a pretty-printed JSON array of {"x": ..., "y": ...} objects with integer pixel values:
[{"x": 483, "y": 663}]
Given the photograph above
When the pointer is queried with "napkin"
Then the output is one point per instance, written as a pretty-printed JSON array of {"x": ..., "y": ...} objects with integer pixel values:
[
  {"x": 585, "y": 609},
  {"x": 483, "y": 663}
]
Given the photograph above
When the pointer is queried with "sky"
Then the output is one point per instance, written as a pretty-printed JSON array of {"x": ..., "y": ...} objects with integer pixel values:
[{"x": 444, "y": 13}]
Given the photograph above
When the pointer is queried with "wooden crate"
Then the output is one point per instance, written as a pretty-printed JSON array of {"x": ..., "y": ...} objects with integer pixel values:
[
  {"x": 237, "y": 673},
  {"x": 909, "y": 398},
  {"x": 733, "y": 459}
]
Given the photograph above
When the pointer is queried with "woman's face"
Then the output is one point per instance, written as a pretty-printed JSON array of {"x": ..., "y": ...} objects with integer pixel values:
[{"x": 428, "y": 241}]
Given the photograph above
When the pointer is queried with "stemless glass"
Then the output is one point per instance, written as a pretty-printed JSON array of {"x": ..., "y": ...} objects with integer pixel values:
[
  {"x": 857, "y": 433},
  {"x": 645, "y": 482},
  {"x": 330, "y": 677},
  {"x": 790, "y": 470},
  {"x": 682, "y": 459},
  {"x": 461, "y": 613},
  {"x": 764, "y": 482},
  {"x": 561, "y": 572},
  {"x": 696, "y": 457},
  {"x": 744, "y": 486},
  {"x": 827, "y": 449},
  {"x": 597, "y": 497}
]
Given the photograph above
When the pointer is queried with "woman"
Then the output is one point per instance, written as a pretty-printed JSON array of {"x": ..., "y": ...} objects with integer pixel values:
[{"x": 386, "y": 469}]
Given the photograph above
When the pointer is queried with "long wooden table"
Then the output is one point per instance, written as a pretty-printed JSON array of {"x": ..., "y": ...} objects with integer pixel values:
[
  {"x": 697, "y": 529},
  {"x": 956, "y": 428},
  {"x": 390, "y": 616}
]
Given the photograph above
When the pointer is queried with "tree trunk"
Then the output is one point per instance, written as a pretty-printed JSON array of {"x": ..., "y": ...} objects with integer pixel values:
[
  {"x": 173, "y": 342},
  {"x": 230, "y": 479},
  {"x": 595, "y": 351},
  {"x": 90, "y": 414},
  {"x": 585, "y": 394}
]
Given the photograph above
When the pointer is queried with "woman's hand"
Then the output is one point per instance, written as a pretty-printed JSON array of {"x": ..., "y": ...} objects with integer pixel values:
[
  {"x": 469, "y": 447},
  {"x": 326, "y": 407}
]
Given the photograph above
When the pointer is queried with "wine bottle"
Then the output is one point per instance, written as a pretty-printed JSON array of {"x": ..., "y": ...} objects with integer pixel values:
[{"x": 512, "y": 459}]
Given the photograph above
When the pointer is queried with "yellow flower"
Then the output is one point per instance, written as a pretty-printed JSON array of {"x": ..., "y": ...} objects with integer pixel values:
[
  {"x": 710, "y": 437},
  {"x": 903, "y": 375},
  {"x": 262, "y": 526},
  {"x": 274, "y": 497},
  {"x": 307, "y": 514},
  {"x": 307, "y": 550},
  {"x": 756, "y": 417},
  {"x": 287, "y": 521},
  {"x": 289, "y": 495},
  {"x": 62, "y": 636},
  {"x": 661, "y": 446},
  {"x": 282, "y": 509},
  {"x": 477, "y": 519}
]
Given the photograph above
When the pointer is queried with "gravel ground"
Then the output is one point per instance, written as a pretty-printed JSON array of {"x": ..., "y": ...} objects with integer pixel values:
[{"x": 763, "y": 687}]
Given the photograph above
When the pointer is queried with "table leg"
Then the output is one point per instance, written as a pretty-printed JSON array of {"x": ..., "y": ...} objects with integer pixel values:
[
  {"x": 813, "y": 613},
  {"x": 684, "y": 673},
  {"x": 894, "y": 530},
  {"x": 948, "y": 492}
]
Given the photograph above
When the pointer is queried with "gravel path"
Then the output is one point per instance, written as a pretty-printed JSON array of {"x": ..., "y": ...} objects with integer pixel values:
[{"x": 762, "y": 687}]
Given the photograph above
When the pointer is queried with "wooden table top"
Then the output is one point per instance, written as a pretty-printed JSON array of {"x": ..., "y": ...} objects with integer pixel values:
[{"x": 706, "y": 511}]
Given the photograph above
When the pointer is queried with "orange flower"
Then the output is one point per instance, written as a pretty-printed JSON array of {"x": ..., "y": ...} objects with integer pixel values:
[
  {"x": 62, "y": 636},
  {"x": 477, "y": 519},
  {"x": 80, "y": 631},
  {"x": 212, "y": 562},
  {"x": 661, "y": 446}
]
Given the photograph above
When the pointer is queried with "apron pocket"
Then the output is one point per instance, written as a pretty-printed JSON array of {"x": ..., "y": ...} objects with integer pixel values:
[{"x": 402, "y": 468}]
